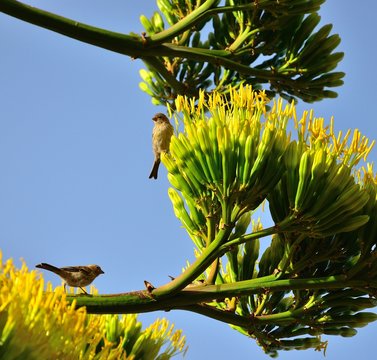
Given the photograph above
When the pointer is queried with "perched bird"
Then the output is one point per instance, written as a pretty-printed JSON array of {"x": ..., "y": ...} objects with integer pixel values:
[
  {"x": 161, "y": 136},
  {"x": 76, "y": 276}
]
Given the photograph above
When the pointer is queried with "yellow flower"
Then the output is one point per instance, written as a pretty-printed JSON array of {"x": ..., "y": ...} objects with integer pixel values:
[{"x": 39, "y": 324}]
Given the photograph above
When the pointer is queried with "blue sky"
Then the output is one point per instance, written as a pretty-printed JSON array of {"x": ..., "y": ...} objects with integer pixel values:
[{"x": 75, "y": 155}]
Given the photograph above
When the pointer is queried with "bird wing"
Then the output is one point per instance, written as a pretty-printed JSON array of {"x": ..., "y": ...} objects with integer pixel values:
[{"x": 76, "y": 269}]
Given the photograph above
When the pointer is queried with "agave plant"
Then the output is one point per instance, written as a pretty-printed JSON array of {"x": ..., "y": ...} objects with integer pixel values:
[
  {"x": 314, "y": 270},
  {"x": 236, "y": 154}
]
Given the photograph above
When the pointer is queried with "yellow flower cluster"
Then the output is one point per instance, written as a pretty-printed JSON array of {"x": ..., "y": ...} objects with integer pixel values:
[
  {"x": 314, "y": 132},
  {"x": 227, "y": 158},
  {"x": 39, "y": 324},
  {"x": 235, "y": 150}
]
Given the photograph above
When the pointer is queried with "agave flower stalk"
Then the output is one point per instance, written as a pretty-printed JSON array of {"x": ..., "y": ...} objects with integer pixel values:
[
  {"x": 314, "y": 270},
  {"x": 235, "y": 153}
]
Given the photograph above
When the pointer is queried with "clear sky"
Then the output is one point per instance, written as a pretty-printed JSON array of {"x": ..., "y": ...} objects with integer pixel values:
[{"x": 75, "y": 155}]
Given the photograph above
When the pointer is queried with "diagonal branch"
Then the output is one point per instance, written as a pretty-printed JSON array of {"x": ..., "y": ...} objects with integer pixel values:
[
  {"x": 131, "y": 45},
  {"x": 114, "y": 41}
]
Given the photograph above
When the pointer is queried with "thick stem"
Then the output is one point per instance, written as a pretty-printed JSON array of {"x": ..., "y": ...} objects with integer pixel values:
[
  {"x": 142, "y": 301},
  {"x": 125, "y": 44},
  {"x": 195, "y": 269}
]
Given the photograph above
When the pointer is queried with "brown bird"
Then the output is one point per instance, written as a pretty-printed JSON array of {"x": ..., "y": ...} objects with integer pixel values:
[
  {"x": 76, "y": 276},
  {"x": 161, "y": 136}
]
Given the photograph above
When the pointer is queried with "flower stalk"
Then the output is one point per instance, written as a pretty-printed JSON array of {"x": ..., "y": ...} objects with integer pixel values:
[{"x": 317, "y": 271}]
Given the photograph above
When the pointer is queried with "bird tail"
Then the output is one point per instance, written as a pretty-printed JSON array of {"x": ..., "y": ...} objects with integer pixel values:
[
  {"x": 154, "y": 171},
  {"x": 48, "y": 267}
]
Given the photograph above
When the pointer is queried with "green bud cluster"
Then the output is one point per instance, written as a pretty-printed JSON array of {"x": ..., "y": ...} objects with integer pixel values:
[
  {"x": 317, "y": 195},
  {"x": 224, "y": 164},
  {"x": 265, "y": 43}
]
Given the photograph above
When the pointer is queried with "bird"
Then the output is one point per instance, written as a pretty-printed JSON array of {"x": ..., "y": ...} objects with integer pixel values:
[
  {"x": 161, "y": 136},
  {"x": 75, "y": 276}
]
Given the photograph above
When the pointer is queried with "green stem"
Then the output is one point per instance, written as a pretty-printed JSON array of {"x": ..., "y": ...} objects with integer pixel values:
[
  {"x": 155, "y": 63},
  {"x": 225, "y": 212},
  {"x": 195, "y": 269},
  {"x": 261, "y": 306},
  {"x": 281, "y": 318},
  {"x": 181, "y": 26},
  {"x": 241, "y": 38},
  {"x": 220, "y": 315},
  {"x": 213, "y": 272},
  {"x": 202, "y": 13},
  {"x": 142, "y": 301},
  {"x": 244, "y": 238},
  {"x": 185, "y": 36},
  {"x": 121, "y": 43},
  {"x": 289, "y": 253},
  {"x": 211, "y": 231}
]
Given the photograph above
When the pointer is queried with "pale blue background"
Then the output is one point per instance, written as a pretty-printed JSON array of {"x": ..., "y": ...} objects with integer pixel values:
[{"x": 75, "y": 154}]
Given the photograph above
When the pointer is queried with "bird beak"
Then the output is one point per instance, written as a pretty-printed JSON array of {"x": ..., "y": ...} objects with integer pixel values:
[
  {"x": 102, "y": 272},
  {"x": 154, "y": 118}
]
